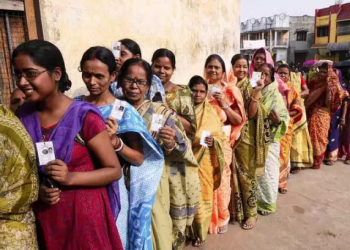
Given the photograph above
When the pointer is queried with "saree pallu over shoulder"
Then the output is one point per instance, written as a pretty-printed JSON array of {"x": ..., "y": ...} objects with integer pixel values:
[
  {"x": 273, "y": 100},
  {"x": 180, "y": 100},
  {"x": 18, "y": 184},
  {"x": 138, "y": 199}
]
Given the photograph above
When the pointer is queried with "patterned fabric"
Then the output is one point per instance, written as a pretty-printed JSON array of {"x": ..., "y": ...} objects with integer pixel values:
[
  {"x": 344, "y": 148},
  {"x": 250, "y": 155},
  {"x": 293, "y": 105},
  {"x": 18, "y": 185},
  {"x": 134, "y": 222},
  {"x": 182, "y": 174},
  {"x": 180, "y": 100},
  {"x": 82, "y": 219},
  {"x": 268, "y": 183},
  {"x": 211, "y": 165},
  {"x": 301, "y": 155},
  {"x": 324, "y": 99},
  {"x": 156, "y": 90}
]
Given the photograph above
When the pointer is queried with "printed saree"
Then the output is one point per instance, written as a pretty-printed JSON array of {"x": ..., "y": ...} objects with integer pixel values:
[
  {"x": 136, "y": 200},
  {"x": 211, "y": 164},
  {"x": 18, "y": 184},
  {"x": 250, "y": 155},
  {"x": 325, "y": 98},
  {"x": 293, "y": 105},
  {"x": 222, "y": 196},
  {"x": 301, "y": 151},
  {"x": 179, "y": 184}
]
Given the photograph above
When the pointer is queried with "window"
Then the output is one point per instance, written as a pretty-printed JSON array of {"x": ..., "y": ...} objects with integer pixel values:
[
  {"x": 301, "y": 35},
  {"x": 322, "y": 31},
  {"x": 343, "y": 28}
]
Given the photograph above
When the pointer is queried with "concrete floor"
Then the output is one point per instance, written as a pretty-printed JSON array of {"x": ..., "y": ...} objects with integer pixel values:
[{"x": 314, "y": 214}]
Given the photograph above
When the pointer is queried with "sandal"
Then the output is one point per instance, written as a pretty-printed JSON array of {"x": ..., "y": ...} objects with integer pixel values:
[
  {"x": 249, "y": 223},
  {"x": 328, "y": 162},
  {"x": 265, "y": 213},
  {"x": 282, "y": 190},
  {"x": 295, "y": 170},
  {"x": 223, "y": 229},
  {"x": 347, "y": 162},
  {"x": 198, "y": 243}
]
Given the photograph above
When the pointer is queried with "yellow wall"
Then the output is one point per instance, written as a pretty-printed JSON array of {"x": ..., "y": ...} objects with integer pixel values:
[
  {"x": 321, "y": 40},
  {"x": 192, "y": 29},
  {"x": 322, "y": 20},
  {"x": 343, "y": 39},
  {"x": 333, "y": 28}
]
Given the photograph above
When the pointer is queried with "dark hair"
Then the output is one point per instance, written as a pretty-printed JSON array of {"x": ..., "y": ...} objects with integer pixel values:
[
  {"x": 135, "y": 61},
  {"x": 46, "y": 55},
  {"x": 260, "y": 51},
  {"x": 272, "y": 70},
  {"x": 197, "y": 80},
  {"x": 284, "y": 66},
  {"x": 237, "y": 57},
  {"x": 132, "y": 46},
  {"x": 323, "y": 66},
  {"x": 102, "y": 54},
  {"x": 217, "y": 57},
  {"x": 164, "y": 53}
]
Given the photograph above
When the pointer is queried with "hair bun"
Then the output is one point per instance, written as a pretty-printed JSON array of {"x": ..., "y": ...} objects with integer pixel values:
[{"x": 65, "y": 83}]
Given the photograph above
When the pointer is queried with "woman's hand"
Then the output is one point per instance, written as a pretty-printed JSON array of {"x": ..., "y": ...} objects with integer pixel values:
[
  {"x": 167, "y": 134},
  {"x": 112, "y": 127},
  {"x": 209, "y": 140},
  {"x": 50, "y": 196},
  {"x": 221, "y": 98},
  {"x": 342, "y": 122},
  {"x": 57, "y": 170},
  {"x": 260, "y": 84},
  {"x": 274, "y": 117}
]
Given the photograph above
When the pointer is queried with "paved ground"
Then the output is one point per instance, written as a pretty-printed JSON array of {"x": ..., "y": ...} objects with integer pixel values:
[{"x": 314, "y": 214}]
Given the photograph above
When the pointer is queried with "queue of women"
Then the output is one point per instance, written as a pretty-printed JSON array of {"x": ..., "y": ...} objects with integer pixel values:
[{"x": 143, "y": 163}]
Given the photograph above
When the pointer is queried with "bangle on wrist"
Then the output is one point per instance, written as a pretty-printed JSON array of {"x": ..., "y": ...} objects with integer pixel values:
[
  {"x": 120, "y": 146},
  {"x": 225, "y": 107},
  {"x": 253, "y": 99},
  {"x": 170, "y": 149}
]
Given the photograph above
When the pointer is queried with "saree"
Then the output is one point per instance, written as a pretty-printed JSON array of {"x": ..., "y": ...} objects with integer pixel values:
[
  {"x": 222, "y": 196},
  {"x": 334, "y": 130},
  {"x": 179, "y": 189},
  {"x": 250, "y": 157},
  {"x": 325, "y": 98},
  {"x": 18, "y": 184},
  {"x": 211, "y": 164},
  {"x": 293, "y": 104},
  {"x": 301, "y": 151},
  {"x": 344, "y": 148},
  {"x": 268, "y": 183},
  {"x": 136, "y": 201}
]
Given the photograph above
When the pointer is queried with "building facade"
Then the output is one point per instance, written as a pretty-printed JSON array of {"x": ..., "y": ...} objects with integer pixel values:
[
  {"x": 301, "y": 38},
  {"x": 332, "y": 33},
  {"x": 287, "y": 38}
]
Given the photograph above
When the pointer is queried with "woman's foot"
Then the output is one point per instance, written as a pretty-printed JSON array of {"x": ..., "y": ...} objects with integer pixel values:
[
  {"x": 198, "y": 242},
  {"x": 295, "y": 170},
  {"x": 328, "y": 162},
  {"x": 347, "y": 162},
  {"x": 223, "y": 229},
  {"x": 265, "y": 213},
  {"x": 282, "y": 190},
  {"x": 249, "y": 223}
]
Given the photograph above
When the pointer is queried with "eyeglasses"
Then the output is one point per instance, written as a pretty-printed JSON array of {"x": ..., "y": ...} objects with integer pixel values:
[
  {"x": 28, "y": 75},
  {"x": 130, "y": 81}
]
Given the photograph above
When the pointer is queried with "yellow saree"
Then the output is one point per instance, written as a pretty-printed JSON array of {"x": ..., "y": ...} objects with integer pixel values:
[
  {"x": 211, "y": 164},
  {"x": 18, "y": 184}
]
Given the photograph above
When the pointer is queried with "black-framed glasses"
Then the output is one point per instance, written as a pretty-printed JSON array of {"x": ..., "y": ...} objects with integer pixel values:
[
  {"x": 28, "y": 75},
  {"x": 130, "y": 81}
]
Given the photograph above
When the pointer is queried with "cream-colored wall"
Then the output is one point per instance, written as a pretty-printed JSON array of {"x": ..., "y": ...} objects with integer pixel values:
[{"x": 192, "y": 29}]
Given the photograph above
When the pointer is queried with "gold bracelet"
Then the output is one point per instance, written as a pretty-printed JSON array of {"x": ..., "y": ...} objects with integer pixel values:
[
  {"x": 169, "y": 149},
  {"x": 255, "y": 100}
]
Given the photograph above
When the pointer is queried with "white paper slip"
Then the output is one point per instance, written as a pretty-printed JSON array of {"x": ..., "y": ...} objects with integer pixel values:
[
  {"x": 204, "y": 135},
  {"x": 46, "y": 152},
  {"x": 118, "y": 109},
  {"x": 256, "y": 77},
  {"x": 227, "y": 130},
  {"x": 214, "y": 90},
  {"x": 157, "y": 122},
  {"x": 116, "y": 49}
]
